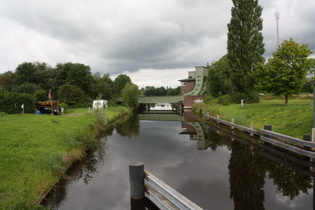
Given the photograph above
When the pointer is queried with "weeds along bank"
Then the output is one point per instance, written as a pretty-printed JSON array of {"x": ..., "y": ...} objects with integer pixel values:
[
  {"x": 293, "y": 119},
  {"x": 37, "y": 149}
]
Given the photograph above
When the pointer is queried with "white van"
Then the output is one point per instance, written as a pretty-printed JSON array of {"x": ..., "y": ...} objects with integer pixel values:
[{"x": 100, "y": 104}]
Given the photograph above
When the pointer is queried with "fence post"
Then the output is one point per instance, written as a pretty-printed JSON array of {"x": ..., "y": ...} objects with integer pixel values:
[{"x": 136, "y": 179}]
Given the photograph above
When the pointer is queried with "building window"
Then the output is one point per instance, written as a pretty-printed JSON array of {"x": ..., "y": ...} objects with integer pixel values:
[{"x": 183, "y": 84}]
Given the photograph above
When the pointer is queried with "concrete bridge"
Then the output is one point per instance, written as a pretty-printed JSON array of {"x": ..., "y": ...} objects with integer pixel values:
[{"x": 192, "y": 90}]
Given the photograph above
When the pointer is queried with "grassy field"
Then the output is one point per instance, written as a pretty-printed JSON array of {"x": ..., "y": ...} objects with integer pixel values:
[
  {"x": 35, "y": 151},
  {"x": 294, "y": 119}
]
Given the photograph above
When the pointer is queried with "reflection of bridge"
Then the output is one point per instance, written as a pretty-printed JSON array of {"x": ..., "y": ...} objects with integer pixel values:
[{"x": 190, "y": 126}]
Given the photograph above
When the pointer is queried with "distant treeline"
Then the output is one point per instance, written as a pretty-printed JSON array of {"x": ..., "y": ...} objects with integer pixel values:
[{"x": 70, "y": 83}]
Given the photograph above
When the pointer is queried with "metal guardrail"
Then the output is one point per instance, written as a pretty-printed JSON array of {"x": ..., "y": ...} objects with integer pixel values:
[
  {"x": 290, "y": 143},
  {"x": 289, "y": 139},
  {"x": 232, "y": 124},
  {"x": 144, "y": 184}
]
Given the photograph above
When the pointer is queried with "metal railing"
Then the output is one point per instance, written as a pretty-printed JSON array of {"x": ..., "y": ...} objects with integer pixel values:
[
  {"x": 299, "y": 146},
  {"x": 158, "y": 192}
]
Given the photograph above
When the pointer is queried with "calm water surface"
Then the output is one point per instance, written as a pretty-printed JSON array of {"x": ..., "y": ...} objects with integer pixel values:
[{"x": 226, "y": 175}]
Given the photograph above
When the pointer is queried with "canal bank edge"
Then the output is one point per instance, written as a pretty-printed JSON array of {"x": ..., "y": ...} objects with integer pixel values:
[{"x": 99, "y": 125}]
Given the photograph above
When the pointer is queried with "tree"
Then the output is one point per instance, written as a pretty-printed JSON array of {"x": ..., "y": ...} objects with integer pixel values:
[
  {"x": 73, "y": 96},
  {"x": 245, "y": 43},
  {"x": 30, "y": 73},
  {"x": 130, "y": 95},
  {"x": 78, "y": 75},
  {"x": 41, "y": 95},
  {"x": 119, "y": 84},
  {"x": 103, "y": 86},
  {"x": 286, "y": 71},
  {"x": 219, "y": 81},
  {"x": 6, "y": 80}
]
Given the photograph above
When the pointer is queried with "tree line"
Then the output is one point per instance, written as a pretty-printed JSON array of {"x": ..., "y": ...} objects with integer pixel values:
[{"x": 70, "y": 83}]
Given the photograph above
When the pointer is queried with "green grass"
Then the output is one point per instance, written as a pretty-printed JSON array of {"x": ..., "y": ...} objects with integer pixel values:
[
  {"x": 33, "y": 149},
  {"x": 294, "y": 119}
]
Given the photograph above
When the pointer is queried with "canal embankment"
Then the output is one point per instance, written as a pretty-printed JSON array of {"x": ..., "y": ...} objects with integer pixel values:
[
  {"x": 36, "y": 150},
  {"x": 294, "y": 119}
]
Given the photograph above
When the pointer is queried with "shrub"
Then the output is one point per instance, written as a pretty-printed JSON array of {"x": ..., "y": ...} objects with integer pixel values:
[
  {"x": 225, "y": 99},
  {"x": 10, "y": 103},
  {"x": 248, "y": 97}
]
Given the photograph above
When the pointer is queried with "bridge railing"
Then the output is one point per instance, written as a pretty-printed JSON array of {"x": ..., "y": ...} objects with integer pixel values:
[{"x": 144, "y": 184}]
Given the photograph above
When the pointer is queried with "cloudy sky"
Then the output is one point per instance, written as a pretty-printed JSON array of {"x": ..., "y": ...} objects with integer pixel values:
[{"x": 155, "y": 42}]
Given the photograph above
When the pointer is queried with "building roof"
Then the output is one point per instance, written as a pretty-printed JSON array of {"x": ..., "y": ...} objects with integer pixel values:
[{"x": 187, "y": 80}]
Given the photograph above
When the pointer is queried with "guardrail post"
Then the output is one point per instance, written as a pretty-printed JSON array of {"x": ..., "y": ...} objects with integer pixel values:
[
  {"x": 307, "y": 137},
  {"x": 232, "y": 121},
  {"x": 269, "y": 128},
  {"x": 136, "y": 179},
  {"x": 251, "y": 127}
]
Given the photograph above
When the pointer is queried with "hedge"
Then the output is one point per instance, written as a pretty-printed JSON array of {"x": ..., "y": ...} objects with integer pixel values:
[{"x": 11, "y": 103}]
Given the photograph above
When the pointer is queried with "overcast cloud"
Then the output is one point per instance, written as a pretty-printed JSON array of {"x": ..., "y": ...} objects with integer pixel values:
[{"x": 151, "y": 39}]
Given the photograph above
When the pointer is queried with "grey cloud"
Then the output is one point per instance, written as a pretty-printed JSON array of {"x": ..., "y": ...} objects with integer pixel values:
[{"x": 117, "y": 36}]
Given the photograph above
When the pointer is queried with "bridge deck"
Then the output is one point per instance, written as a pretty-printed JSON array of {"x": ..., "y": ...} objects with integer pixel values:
[{"x": 160, "y": 99}]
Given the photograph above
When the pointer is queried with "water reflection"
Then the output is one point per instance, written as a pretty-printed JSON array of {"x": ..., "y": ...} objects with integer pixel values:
[{"x": 210, "y": 166}]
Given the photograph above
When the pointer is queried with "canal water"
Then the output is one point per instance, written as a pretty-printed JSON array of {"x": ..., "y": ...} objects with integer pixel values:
[{"x": 212, "y": 169}]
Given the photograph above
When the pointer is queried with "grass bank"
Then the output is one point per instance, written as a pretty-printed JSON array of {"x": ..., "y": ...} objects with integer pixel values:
[
  {"x": 293, "y": 119},
  {"x": 37, "y": 149}
]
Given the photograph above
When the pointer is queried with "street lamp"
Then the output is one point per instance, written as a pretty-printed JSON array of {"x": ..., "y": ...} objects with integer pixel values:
[{"x": 277, "y": 16}]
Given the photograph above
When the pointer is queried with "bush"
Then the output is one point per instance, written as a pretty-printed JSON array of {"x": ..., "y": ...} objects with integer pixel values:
[
  {"x": 225, "y": 99},
  {"x": 10, "y": 103},
  {"x": 249, "y": 97},
  {"x": 41, "y": 95}
]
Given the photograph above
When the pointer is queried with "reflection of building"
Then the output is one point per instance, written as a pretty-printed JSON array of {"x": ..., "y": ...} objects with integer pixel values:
[{"x": 190, "y": 125}]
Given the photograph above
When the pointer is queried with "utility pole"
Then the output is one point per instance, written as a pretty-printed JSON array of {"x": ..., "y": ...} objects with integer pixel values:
[{"x": 277, "y": 16}]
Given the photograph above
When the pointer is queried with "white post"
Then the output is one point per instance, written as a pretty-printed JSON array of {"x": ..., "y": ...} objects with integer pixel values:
[
  {"x": 22, "y": 106},
  {"x": 242, "y": 103},
  {"x": 232, "y": 121}
]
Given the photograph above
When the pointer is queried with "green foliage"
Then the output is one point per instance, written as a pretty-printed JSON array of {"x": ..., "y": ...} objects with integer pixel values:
[
  {"x": 30, "y": 73},
  {"x": 73, "y": 96},
  {"x": 29, "y": 88},
  {"x": 219, "y": 81},
  {"x": 78, "y": 75},
  {"x": 225, "y": 99},
  {"x": 10, "y": 103},
  {"x": 247, "y": 97},
  {"x": 245, "y": 43},
  {"x": 119, "y": 84},
  {"x": 7, "y": 80},
  {"x": 129, "y": 95},
  {"x": 41, "y": 95},
  {"x": 285, "y": 72}
]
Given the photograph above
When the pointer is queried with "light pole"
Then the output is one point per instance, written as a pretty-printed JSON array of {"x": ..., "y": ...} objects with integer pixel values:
[{"x": 277, "y": 16}]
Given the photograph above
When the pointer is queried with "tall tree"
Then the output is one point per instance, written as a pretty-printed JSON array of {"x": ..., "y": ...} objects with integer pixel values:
[
  {"x": 129, "y": 95},
  {"x": 286, "y": 71},
  {"x": 75, "y": 74},
  {"x": 245, "y": 43},
  {"x": 119, "y": 84}
]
